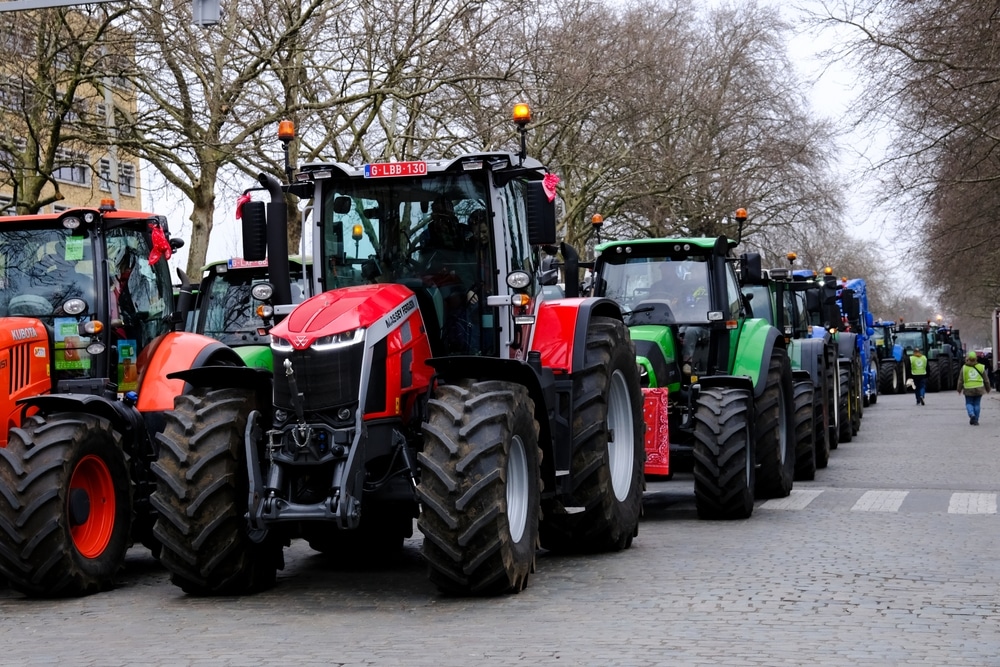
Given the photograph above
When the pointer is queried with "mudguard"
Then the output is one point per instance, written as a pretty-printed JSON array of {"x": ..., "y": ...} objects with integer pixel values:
[
  {"x": 560, "y": 331},
  {"x": 847, "y": 345},
  {"x": 176, "y": 351},
  {"x": 753, "y": 352},
  {"x": 806, "y": 355}
]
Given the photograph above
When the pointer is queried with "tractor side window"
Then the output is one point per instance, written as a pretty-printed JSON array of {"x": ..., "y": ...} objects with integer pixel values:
[
  {"x": 139, "y": 298},
  {"x": 733, "y": 292},
  {"x": 516, "y": 214}
]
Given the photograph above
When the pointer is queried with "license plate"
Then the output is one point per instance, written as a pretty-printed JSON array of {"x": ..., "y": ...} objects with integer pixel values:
[{"x": 389, "y": 169}]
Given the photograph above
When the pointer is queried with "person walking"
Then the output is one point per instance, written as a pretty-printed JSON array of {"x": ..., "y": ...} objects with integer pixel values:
[
  {"x": 974, "y": 383},
  {"x": 918, "y": 371}
]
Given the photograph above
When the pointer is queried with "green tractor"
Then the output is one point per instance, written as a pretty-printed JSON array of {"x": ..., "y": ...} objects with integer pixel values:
[
  {"x": 789, "y": 300},
  {"x": 727, "y": 406},
  {"x": 227, "y": 309}
]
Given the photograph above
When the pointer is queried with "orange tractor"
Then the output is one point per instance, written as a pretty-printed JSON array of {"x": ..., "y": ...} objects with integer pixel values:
[{"x": 87, "y": 338}]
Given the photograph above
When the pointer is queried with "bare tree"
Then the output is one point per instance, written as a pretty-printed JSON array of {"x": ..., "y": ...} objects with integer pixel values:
[{"x": 50, "y": 90}]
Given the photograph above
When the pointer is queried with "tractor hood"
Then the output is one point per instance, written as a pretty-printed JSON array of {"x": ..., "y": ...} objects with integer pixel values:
[{"x": 344, "y": 310}]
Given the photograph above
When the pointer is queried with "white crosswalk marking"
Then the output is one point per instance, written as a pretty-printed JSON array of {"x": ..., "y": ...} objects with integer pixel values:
[
  {"x": 972, "y": 503},
  {"x": 880, "y": 501},
  {"x": 797, "y": 500}
]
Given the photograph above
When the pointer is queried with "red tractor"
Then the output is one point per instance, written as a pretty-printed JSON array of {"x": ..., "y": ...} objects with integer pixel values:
[
  {"x": 86, "y": 342},
  {"x": 426, "y": 379}
]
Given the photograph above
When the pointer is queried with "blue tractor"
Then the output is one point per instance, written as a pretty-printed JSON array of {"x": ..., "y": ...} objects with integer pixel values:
[
  {"x": 891, "y": 360},
  {"x": 862, "y": 322}
]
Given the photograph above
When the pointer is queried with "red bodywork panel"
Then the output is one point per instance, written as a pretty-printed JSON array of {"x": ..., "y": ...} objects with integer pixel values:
[
  {"x": 555, "y": 333},
  {"x": 654, "y": 412},
  {"x": 174, "y": 351},
  {"x": 387, "y": 311},
  {"x": 24, "y": 366}
]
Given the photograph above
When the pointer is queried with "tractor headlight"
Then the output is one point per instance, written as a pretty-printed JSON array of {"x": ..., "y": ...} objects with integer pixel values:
[
  {"x": 280, "y": 344},
  {"x": 74, "y": 306},
  {"x": 339, "y": 340}
]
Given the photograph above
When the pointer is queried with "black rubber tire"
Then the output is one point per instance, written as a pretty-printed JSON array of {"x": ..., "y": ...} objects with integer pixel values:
[
  {"x": 888, "y": 376},
  {"x": 873, "y": 369},
  {"x": 774, "y": 430},
  {"x": 480, "y": 468},
  {"x": 857, "y": 405},
  {"x": 845, "y": 404},
  {"x": 724, "y": 460},
  {"x": 833, "y": 397},
  {"x": 201, "y": 496},
  {"x": 38, "y": 552},
  {"x": 607, "y": 474},
  {"x": 934, "y": 375},
  {"x": 805, "y": 432}
]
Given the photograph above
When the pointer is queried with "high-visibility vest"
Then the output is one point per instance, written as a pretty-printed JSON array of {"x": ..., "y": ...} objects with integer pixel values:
[
  {"x": 918, "y": 365},
  {"x": 972, "y": 376}
]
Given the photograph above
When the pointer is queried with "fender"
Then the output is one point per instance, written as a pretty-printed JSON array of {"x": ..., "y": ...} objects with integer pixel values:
[
  {"x": 847, "y": 345},
  {"x": 756, "y": 343},
  {"x": 560, "y": 331},
  {"x": 176, "y": 351},
  {"x": 808, "y": 353},
  {"x": 125, "y": 418}
]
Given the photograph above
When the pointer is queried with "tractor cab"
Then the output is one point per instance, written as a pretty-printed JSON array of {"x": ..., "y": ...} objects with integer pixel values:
[{"x": 86, "y": 276}]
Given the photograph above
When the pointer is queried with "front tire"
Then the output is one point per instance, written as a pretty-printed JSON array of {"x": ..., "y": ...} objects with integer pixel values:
[
  {"x": 724, "y": 464},
  {"x": 805, "y": 431},
  {"x": 845, "y": 404},
  {"x": 480, "y": 487},
  {"x": 201, "y": 495},
  {"x": 66, "y": 513},
  {"x": 888, "y": 378},
  {"x": 774, "y": 430},
  {"x": 601, "y": 512}
]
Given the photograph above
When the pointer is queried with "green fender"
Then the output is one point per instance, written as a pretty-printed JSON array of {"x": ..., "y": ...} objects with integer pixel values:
[
  {"x": 656, "y": 354},
  {"x": 256, "y": 356},
  {"x": 757, "y": 339}
]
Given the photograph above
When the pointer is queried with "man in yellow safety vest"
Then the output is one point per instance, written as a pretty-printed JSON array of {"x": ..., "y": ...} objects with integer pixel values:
[{"x": 974, "y": 382}]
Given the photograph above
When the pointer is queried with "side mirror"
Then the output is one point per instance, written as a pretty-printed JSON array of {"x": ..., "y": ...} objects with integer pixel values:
[
  {"x": 541, "y": 215},
  {"x": 750, "y": 271},
  {"x": 254, "y": 231}
]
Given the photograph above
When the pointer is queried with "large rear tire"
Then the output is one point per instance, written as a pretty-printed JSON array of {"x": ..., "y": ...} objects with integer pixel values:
[
  {"x": 774, "y": 430},
  {"x": 832, "y": 397},
  {"x": 480, "y": 487},
  {"x": 805, "y": 432},
  {"x": 845, "y": 404},
  {"x": 934, "y": 375},
  {"x": 724, "y": 464},
  {"x": 201, "y": 495},
  {"x": 888, "y": 377},
  {"x": 65, "y": 505},
  {"x": 601, "y": 512},
  {"x": 872, "y": 396}
]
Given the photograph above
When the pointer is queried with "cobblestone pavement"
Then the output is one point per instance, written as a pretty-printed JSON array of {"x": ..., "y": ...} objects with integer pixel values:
[{"x": 888, "y": 558}]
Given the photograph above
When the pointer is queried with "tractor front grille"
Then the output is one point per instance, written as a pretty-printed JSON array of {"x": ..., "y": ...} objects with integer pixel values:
[
  {"x": 20, "y": 367},
  {"x": 326, "y": 379}
]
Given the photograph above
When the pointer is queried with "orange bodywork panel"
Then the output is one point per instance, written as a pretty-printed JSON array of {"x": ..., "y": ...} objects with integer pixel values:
[
  {"x": 654, "y": 411},
  {"x": 24, "y": 366},
  {"x": 175, "y": 351}
]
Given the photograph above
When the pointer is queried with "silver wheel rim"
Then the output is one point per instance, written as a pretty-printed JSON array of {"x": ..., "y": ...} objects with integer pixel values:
[
  {"x": 621, "y": 426},
  {"x": 517, "y": 489}
]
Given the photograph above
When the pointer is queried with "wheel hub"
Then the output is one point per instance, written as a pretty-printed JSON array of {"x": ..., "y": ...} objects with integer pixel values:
[{"x": 79, "y": 507}]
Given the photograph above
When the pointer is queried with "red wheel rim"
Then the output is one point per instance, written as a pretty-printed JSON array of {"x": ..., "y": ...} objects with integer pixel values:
[{"x": 92, "y": 477}]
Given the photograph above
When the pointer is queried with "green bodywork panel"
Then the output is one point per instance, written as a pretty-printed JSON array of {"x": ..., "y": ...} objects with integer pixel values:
[
  {"x": 750, "y": 350},
  {"x": 256, "y": 356},
  {"x": 663, "y": 338}
]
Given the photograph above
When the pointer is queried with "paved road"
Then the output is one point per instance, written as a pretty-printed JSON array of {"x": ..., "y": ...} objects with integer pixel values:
[{"x": 890, "y": 557}]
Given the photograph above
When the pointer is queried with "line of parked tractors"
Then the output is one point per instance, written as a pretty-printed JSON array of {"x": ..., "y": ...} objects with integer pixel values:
[{"x": 417, "y": 368}]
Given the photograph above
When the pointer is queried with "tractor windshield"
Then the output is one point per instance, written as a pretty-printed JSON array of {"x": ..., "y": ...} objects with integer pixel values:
[
  {"x": 227, "y": 308},
  {"x": 40, "y": 268},
  {"x": 911, "y": 340},
  {"x": 682, "y": 283},
  {"x": 424, "y": 229}
]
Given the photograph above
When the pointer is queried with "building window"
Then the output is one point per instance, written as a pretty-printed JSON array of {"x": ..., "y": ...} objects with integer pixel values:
[
  {"x": 71, "y": 167},
  {"x": 126, "y": 177}
]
